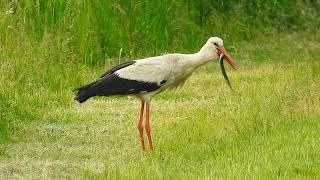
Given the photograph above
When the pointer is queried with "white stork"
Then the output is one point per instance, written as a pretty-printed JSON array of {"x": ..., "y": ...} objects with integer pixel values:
[{"x": 144, "y": 78}]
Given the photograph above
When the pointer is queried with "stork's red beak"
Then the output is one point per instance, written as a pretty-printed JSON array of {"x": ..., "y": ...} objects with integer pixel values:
[{"x": 227, "y": 57}]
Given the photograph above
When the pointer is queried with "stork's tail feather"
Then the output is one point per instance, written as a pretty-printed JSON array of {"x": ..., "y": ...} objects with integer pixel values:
[{"x": 83, "y": 93}]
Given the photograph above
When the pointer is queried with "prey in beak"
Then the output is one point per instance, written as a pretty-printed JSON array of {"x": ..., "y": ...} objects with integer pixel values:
[
  {"x": 222, "y": 51},
  {"x": 224, "y": 55}
]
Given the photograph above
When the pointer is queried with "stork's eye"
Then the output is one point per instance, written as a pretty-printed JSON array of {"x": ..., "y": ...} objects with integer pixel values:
[{"x": 216, "y": 44}]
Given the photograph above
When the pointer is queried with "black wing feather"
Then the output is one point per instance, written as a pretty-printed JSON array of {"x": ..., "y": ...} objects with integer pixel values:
[
  {"x": 115, "y": 85},
  {"x": 111, "y": 84}
]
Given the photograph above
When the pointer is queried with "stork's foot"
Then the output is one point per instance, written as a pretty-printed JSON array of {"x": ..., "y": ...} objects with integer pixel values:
[
  {"x": 148, "y": 125},
  {"x": 149, "y": 137},
  {"x": 140, "y": 128}
]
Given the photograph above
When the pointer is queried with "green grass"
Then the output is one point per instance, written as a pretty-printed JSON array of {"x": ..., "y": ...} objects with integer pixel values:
[
  {"x": 93, "y": 31},
  {"x": 268, "y": 127}
]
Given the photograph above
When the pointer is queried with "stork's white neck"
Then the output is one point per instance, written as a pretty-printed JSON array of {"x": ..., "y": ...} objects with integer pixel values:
[{"x": 201, "y": 57}]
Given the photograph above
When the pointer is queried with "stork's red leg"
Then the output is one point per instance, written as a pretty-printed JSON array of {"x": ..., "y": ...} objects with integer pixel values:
[
  {"x": 140, "y": 126},
  {"x": 147, "y": 125}
]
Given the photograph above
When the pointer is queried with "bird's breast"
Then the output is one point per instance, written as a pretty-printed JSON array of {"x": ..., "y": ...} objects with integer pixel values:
[{"x": 179, "y": 78}]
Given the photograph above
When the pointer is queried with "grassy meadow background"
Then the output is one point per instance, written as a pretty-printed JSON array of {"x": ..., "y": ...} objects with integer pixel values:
[{"x": 268, "y": 127}]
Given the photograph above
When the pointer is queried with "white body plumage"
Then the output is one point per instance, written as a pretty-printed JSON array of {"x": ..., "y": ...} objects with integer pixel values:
[
  {"x": 174, "y": 69},
  {"x": 147, "y": 77}
]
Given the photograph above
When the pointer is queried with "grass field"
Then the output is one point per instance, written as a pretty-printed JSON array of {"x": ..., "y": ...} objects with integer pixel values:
[{"x": 268, "y": 127}]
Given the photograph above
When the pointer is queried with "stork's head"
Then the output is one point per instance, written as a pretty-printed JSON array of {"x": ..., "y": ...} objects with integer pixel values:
[{"x": 215, "y": 49}]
